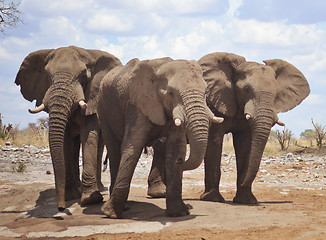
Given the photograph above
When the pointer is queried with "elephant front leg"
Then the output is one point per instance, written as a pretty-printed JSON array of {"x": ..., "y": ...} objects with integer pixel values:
[
  {"x": 175, "y": 154},
  {"x": 156, "y": 185},
  {"x": 213, "y": 169},
  {"x": 242, "y": 143},
  {"x": 134, "y": 140},
  {"x": 71, "y": 156},
  {"x": 90, "y": 143}
]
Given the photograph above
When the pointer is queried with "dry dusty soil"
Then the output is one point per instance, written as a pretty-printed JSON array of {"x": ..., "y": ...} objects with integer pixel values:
[{"x": 291, "y": 191}]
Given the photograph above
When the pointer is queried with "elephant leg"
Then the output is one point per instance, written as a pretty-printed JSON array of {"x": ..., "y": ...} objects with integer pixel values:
[
  {"x": 90, "y": 138},
  {"x": 134, "y": 140},
  {"x": 100, "y": 150},
  {"x": 156, "y": 185},
  {"x": 175, "y": 153},
  {"x": 113, "y": 146},
  {"x": 212, "y": 162},
  {"x": 71, "y": 156},
  {"x": 242, "y": 143}
]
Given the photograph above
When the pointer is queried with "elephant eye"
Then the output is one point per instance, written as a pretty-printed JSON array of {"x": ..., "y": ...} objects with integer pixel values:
[{"x": 247, "y": 89}]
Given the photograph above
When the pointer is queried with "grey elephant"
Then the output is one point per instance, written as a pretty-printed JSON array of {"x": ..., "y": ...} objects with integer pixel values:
[
  {"x": 65, "y": 83},
  {"x": 249, "y": 96},
  {"x": 140, "y": 104}
]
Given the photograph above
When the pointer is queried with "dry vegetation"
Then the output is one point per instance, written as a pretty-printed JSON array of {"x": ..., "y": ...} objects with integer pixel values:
[
  {"x": 35, "y": 134},
  {"x": 311, "y": 140}
]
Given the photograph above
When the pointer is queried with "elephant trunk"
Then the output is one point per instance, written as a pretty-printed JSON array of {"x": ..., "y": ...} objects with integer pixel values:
[
  {"x": 261, "y": 125},
  {"x": 61, "y": 101},
  {"x": 197, "y": 123}
]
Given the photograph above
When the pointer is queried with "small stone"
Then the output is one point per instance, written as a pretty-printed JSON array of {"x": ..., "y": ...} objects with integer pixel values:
[
  {"x": 8, "y": 144},
  {"x": 289, "y": 156},
  {"x": 48, "y": 172}
]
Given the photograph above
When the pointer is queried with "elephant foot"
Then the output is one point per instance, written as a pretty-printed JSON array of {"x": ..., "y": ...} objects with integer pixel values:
[
  {"x": 72, "y": 193},
  {"x": 177, "y": 209},
  {"x": 245, "y": 197},
  {"x": 212, "y": 196},
  {"x": 156, "y": 190},
  {"x": 91, "y": 198},
  {"x": 110, "y": 211}
]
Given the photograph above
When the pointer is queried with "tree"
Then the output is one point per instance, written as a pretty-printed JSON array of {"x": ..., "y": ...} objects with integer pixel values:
[
  {"x": 308, "y": 134},
  {"x": 284, "y": 138},
  {"x": 9, "y": 15},
  {"x": 320, "y": 133}
]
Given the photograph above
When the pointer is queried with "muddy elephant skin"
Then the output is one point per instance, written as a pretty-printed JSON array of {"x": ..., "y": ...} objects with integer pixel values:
[
  {"x": 139, "y": 105},
  {"x": 65, "y": 83},
  {"x": 249, "y": 96}
]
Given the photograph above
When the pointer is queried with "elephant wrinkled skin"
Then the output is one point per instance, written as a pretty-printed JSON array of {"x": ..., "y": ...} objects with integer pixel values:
[
  {"x": 249, "y": 96},
  {"x": 65, "y": 83},
  {"x": 156, "y": 102}
]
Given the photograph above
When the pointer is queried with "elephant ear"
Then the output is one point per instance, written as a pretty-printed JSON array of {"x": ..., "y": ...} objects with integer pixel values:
[
  {"x": 218, "y": 71},
  {"x": 32, "y": 78},
  {"x": 104, "y": 62},
  {"x": 293, "y": 87},
  {"x": 143, "y": 93}
]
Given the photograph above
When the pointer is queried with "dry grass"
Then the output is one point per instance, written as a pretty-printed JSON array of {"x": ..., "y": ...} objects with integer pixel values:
[
  {"x": 26, "y": 137},
  {"x": 273, "y": 148}
]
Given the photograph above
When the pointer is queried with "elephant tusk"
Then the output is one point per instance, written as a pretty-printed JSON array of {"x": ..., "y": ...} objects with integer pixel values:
[
  {"x": 38, "y": 109},
  {"x": 82, "y": 104},
  {"x": 217, "y": 119},
  {"x": 248, "y": 116},
  {"x": 177, "y": 122},
  {"x": 280, "y": 123}
]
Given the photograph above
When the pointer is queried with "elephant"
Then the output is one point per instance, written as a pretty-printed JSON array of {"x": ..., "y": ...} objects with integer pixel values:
[
  {"x": 248, "y": 95},
  {"x": 65, "y": 83},
  {"x": 157, "y": 102}
]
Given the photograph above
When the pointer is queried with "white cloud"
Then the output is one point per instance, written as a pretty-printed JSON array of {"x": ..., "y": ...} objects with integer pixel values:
[
  {"x": 49, "y": 8},
  {"x": 169, "y": 7},
  {"x": 234, "y": 5},
  {"x": 273, "y": 33},
  {"x": 315, "y": 99},
  {"x": 60, "y": 30},
  {"x": 109, "y": 22}
]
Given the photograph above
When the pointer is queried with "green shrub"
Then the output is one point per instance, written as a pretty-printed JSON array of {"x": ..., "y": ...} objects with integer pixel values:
[{"x": 21, "y": 167}]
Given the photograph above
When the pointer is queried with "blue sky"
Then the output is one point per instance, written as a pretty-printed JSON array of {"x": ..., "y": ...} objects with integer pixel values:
[{"x": 293, "y": 30}]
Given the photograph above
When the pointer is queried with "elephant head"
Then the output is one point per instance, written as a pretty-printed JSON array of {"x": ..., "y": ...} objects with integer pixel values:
[
  {"x": 174, "y": 91},
  {"x": 61, "y": 80},
  {"x": 255, "y": 92}
]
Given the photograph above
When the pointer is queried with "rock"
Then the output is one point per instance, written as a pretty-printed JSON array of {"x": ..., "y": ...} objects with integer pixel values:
[
  {"x": 8, "y": 143},
  {"x": 224, "y": 154},
  {"x": 33, "y": 150},
  {"x": 289, "y": 156}
]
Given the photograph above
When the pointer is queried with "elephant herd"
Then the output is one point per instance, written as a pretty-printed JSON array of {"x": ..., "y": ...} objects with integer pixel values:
[{"x": 93, "y": 100}]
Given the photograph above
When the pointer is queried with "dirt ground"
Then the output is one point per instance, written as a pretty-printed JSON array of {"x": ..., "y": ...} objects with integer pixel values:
[{"x": 291, "y": 195}]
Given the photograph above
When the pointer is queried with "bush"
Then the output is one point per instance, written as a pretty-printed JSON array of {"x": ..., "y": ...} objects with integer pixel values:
[{"x": 21, "y": 167}]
